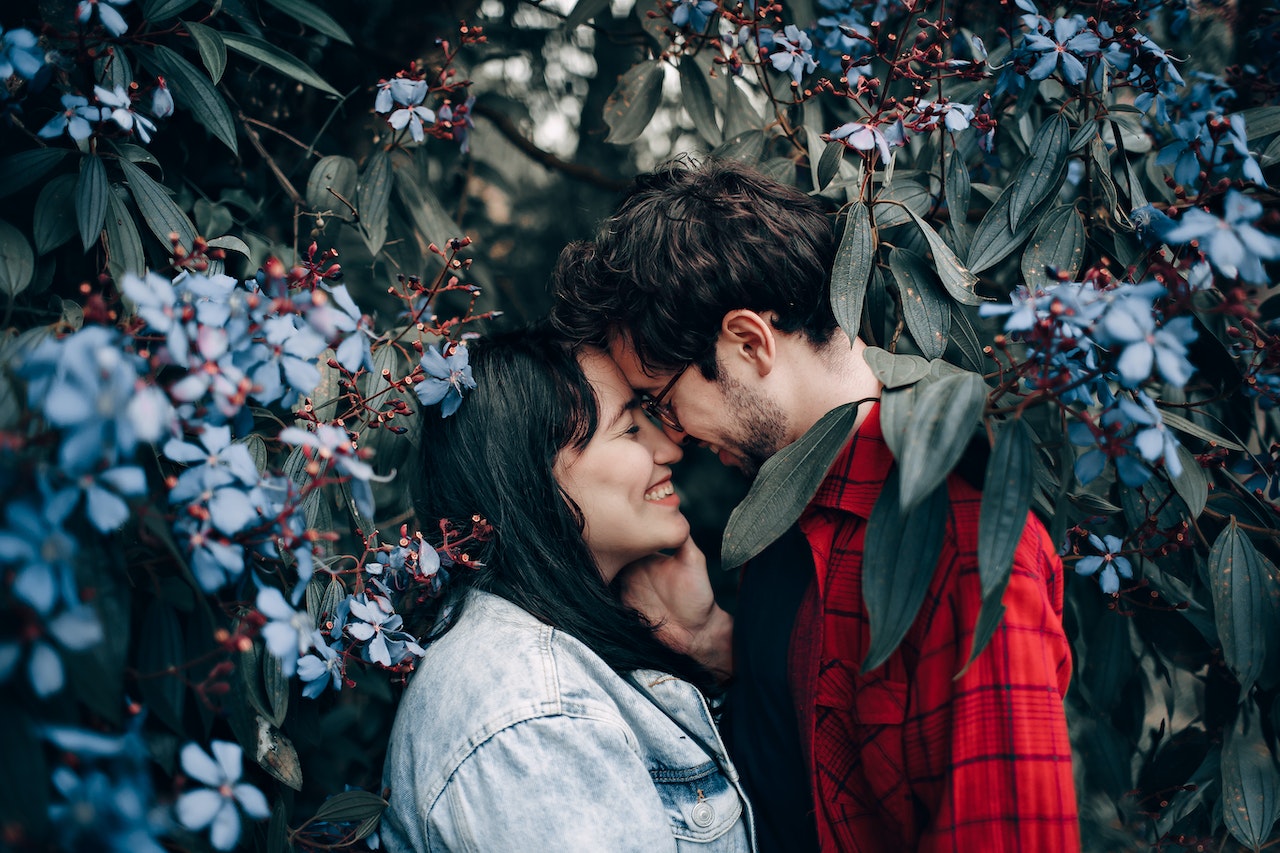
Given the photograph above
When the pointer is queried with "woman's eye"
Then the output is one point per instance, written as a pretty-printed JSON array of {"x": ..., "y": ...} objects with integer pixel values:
[{"x": 634, "y": 429}]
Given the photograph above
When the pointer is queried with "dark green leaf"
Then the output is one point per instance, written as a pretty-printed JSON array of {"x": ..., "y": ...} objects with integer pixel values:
[
  {"x": 278, "y": 829},
  {"x": 958, "y": 281},
  {"x": 17, "y": 261},
  {"x": 784, "y": 486},
  {"x": 162, "y": 215},
  {"x": 898, "y": 200},
  {"x": 583, "y": 11},
  {"x": 896, "y": 408},
  {"x": 1240, "y": 579},
  {"x": 313, "y": 16},
  {"x": 192, "y": 90},
  {"x": 1260, "y": 122},
  {"x": 231, "y": 244},
  {"x": 111, "y": 70},
  {"x": 274, "y": 58},
  {"x": 350, "y": 806},
  {"x": 740, "y": 115},
  {"x": 316, "y": 507},
  {"x": 276, "y": 685},
  {"x": 91, "y": 199},
  {"x": 373, "y": 194},
  {"x": 97, "y": 675},
  {"x": 1106, "y": 661},
  {"x": 276, "y": 754},
  {"x": 994, "y": 240},
  {"x": 213, "y": 50},
  {"x": 1006, "y": 498},
  {"x": 26, "y": 167},
  {"x": 989, "y": 616},
  {"x": 893, "y": 370},
  {"x": 249, "y": 666},
  {"x": 900, "y": 555},
  {"x": 138, "y": 154},
  {"x": 24, "y": 788},
  {"x": 211, "y": 218},
  {"x": 852, "y": 268},
  {"x": 945, "y": 414},
  {"x": 1193, "y": 484},
  {"x": 429, "y": 217},
  {"x": 746, "y": 147},
  {"x": 927, "y": 313},
  {"x": 958, "y": 200},
  {"x": 1058, "y": 243},
  {"x": 1100, "y": 177},
  {"x": 965, "y": 339},
  {"x": 829, "y": 165},
  {"x": 158, "y": 11},
  {"x": 695, "y": 94},
  {"x": 1181, "y": 424},
  {"x": 1040, "y": 174},
  {"x": 1250, "y": 783},
  {"x": 334, "y": 173},
  {"x": 161, "y": 654},
  {"x": 633, "y": 102}
]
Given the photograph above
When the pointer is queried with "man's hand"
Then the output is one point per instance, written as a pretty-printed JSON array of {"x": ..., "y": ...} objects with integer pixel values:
[{"x": 674, "y": 593}]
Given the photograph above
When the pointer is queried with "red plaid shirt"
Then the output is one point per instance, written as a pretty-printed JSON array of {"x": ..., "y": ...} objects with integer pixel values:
[{"x": 907, "y": 757}]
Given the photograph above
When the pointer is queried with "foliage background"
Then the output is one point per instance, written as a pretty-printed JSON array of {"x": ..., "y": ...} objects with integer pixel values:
[{"x": 1173, "y": 753}]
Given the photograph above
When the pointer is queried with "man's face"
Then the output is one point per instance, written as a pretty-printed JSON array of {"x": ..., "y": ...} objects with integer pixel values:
[{"x": 729, "y": 415}]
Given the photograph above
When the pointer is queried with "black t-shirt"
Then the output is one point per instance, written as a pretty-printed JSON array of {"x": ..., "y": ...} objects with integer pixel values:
[{"x": 759, "y": 726}]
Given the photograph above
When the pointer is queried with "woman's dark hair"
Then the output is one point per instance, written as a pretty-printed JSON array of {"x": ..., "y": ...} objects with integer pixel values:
[
  {"x": 494, "y": 458},
  {"x": 688, "y": 244}
]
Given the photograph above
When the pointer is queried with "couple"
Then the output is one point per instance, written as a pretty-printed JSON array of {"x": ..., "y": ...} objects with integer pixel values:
[{"x": 549, "y": 714}]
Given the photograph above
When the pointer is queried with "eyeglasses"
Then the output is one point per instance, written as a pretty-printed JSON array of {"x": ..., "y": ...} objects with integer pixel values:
[{"x": 660, "y": 411}]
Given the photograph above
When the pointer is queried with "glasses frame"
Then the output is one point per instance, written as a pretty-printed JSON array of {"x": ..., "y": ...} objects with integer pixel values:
[{"x": 660, "y": 411}]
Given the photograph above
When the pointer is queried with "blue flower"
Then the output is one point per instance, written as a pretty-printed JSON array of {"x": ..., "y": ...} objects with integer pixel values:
[
  {"x": 693, "y": 13},
  {"x": 43, "y": 553},
  {"x": 378, "y": 627},
  {"x": 107, "y": 14},
  {"x": 863, "y": 137},
  {"x": 446, "y": 378},
  {"x": 333, "y": 446},
  {"x": 1070, "y": 41},
  {"x": 791, "y": 53},
  {"x": 1232, "y": 244},
  {"x": 322, "y": 668},
  {"x": 1153, "y": 439},
  {"x": 215, "y": 559},
  {"x": 1130, "y": 324},
  {"x": 399, "y": 90},
  {"x": 288, "y": 632},
  {"x": 414, "y": 118},
  {"x": 105, "y": 492},
  {"x": 119, "y": 108},
  {"x": 1109, "y": 441},
  {"x": 342, "y": 323},
  {"x": 99, "y": 812},
  {"x": 215, "y": 806},
  {"x": 1151, "y": 225},
  {"x": 161, "y": 99},
  {"x": 1111, "y": 562},
  {"x": 20, "y": 53},
  {"x": 76, "y": 118}
]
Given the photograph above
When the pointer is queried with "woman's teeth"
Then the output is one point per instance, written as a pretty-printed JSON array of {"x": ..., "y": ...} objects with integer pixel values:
[{"x": 660, "y": 492}]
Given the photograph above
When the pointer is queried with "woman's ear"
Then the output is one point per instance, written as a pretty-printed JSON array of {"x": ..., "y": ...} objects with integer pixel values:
[{"x": 750, "y": 338}]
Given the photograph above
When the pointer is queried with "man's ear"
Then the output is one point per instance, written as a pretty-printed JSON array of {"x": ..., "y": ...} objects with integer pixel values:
[{"x": 748, "y": 337}]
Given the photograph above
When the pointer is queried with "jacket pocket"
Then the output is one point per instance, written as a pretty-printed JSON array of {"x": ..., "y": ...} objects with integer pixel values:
[{"x": 700, "y": 803}]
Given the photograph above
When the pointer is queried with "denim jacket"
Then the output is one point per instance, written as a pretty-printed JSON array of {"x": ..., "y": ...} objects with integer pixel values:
[{"x": 514, "y": 736}]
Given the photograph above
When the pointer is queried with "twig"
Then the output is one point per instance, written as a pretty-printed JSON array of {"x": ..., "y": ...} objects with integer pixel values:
[{"x": 284, "y": 182}]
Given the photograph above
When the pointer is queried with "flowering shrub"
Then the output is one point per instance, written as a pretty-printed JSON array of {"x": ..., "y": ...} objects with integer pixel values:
[{"x": 1054, "y": 235}]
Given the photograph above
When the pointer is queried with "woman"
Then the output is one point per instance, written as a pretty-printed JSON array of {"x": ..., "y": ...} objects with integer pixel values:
[{"x": 547, "y": 715}]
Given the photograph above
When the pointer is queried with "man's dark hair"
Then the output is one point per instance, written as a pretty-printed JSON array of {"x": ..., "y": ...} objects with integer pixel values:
[
  {"x": 494, "y": 458},
  {"x": 688, "y": 244}
]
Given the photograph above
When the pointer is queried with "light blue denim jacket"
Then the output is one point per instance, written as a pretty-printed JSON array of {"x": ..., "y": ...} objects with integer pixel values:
[{"x": 514, "y": 736}]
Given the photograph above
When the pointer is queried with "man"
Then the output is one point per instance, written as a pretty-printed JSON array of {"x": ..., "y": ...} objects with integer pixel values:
[{"x": 710, "y": 289}]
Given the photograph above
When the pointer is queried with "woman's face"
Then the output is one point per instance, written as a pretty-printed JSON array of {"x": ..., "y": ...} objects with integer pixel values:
[{"x": 620, "y": 479}]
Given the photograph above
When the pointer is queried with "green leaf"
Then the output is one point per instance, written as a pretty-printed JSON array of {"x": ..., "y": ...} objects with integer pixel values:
[
  {"x": 373, "y": 195},
  {"x": 695, "y": 97},
  {"x": 927, "y": 314},
  {"x": 350, "y": 806},
  {"x": 312, "y": 16},
  {"x": 1006, "y": 498},
  {"x": 429, "y": 217},
  {"x": 161, "y": 654},
  {"x": 276, "y": 685},
  {"x": 898, "y": 200},
  {"x": 994, "y": 240},
  {"x": 213, "y": 50},
  {"x": 829, "y": 164},
  {"x": 17, "y": 261},
  {"x": 91, "y": 199},
  {"x": 1240, "y": 579},
  {"x": 958, "y": 281},
  {"x": 1058, "y": 242},
  {"x": 893, "y": 370},
  {"x": 26, "y": 167},
  {"x": 1250, "y": 783},
  {"x": 945, "y": 414},
  {"x": 1193, "y": 484},
  {"x": 1181, "y": 424},
  {"x": 249, "y": 666},
  {"x": 1260, "y": 122},
  {"x": 739, "y": 113},
  {"x": 965, "y": 339},
  {"x": 158, "y": 11},
  {"x": 628, "y": 110},
  {"x": 784, "y": 486},
  {"x": 24, "y": 786},
  {"x": 276, "y": 59},
  {"x": 278, "y": 829},
  {"x": 231, "y": 244},
  {"x": 747, "y": 147},
  {"x": 958, "y": 192},
  {"x": 161, "y": 214},
  {"x": 583, "y": 11},
  {"x": 193, "y": 91},
  {"x": 900, "y": 555},
  {"x": 852, "y": 268},
  {"x": 1041, "y": 173},
  {"x": 276, "y": 754},
  {"x": 334, "y": 173},
  {"x": 137, "y": 154},
  {"x": 989, "y": 616}
]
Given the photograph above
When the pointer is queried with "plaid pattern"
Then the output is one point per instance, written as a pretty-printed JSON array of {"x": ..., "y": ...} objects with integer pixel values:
[{"x": 907, "y": 757}]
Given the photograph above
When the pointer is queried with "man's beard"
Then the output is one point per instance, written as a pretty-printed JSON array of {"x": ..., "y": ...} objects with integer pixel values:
[{"x": 759, "y": 424}]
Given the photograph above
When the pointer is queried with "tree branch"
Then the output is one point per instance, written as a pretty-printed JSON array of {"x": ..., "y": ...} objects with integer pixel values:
[{"x": 576, "y": 171}]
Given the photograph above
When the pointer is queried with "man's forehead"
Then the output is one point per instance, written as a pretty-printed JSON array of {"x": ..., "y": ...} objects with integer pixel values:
[{"x": 624, "y": 354}]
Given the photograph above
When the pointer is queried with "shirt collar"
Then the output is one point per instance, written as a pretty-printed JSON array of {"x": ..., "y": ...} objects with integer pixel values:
[{"x": 858, "y": 474}]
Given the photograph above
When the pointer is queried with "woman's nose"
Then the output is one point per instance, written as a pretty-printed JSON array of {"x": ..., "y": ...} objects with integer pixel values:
[{"x": 660, "y": 442}]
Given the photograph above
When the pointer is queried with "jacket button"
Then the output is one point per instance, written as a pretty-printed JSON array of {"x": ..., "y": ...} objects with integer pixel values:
[{"x": 704, "y": 814}]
